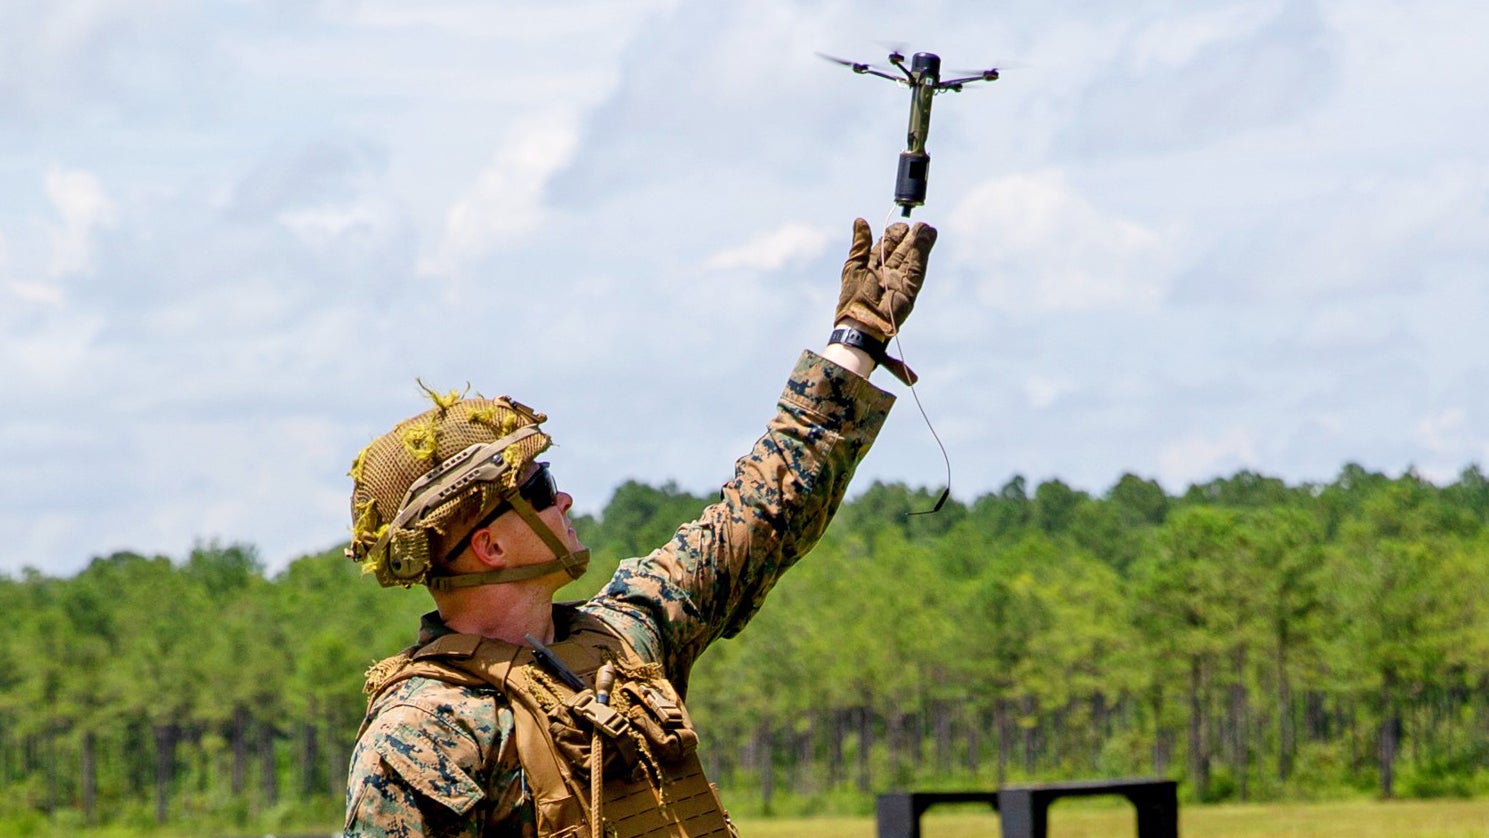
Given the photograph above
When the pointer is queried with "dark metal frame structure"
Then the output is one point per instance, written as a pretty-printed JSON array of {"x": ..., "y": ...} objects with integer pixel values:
[{"x": 1023, "y": 810}]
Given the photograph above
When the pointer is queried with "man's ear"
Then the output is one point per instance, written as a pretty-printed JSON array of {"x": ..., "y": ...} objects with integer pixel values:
[{"x": 487, "y": 548}]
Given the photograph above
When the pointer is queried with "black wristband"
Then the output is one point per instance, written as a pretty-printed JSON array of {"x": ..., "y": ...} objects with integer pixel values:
[{"x": 849, "y": 336}]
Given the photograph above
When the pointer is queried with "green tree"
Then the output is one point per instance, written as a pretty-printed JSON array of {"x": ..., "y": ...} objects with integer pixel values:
[
  {"x": 1138, "y": 502},
  {"x": 1245, "y": 490},
  {"x": 1289, "y": 552},
  {"x": 1403, "y": 610},
  {"x": 1199, "y": 608},
  {"x": 1055, "y": 505},
  {"x": 1007, "y": 511}
]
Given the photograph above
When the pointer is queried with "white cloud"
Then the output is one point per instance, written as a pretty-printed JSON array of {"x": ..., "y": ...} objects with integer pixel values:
[
  {"x": 38, "y": 292},
  {"x": 772, "y": 250},
  {"x": 319, "y": 226},
  {"x": 506, "y": 201},
  {"x": 95, "y": 64},
  {"x": 51, "y": 353},
  {"x": 1346, "y": 326},
  {"x": 1438, "y": 209},
  {"x": 669, "y": 165},
  {"x": 84, "y": 206},
  {"x": 1043, "y": 391},
  {"x": 536, "y": 21},
  {"x": 1199, "y": 456},
  {"x": 1451, "y": 442},
  {"x": 1174, "y": 40},
  {"x": 1444, "y": 431},
  {"x": 1052, "y": 249}
]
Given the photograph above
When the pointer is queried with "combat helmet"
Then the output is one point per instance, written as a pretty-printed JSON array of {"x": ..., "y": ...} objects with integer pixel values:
[{"x": 418, "y": 489}]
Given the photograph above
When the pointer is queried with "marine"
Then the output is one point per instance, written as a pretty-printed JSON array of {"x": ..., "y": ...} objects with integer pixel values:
[{"x": 513, "y": 715}]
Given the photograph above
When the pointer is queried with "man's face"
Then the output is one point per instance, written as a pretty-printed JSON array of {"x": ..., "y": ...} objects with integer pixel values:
[{"x": 524, "y": 546}]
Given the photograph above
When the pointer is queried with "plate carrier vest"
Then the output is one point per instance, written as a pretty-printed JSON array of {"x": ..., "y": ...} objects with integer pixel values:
[{"x": 653, "y": 782}]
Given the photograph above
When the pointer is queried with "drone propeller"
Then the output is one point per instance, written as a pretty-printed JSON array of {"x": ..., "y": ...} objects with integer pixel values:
[
  {"x": 987, "y": 72},
  {"x": 863, "y": 68},
  {"x": 843, "y": 61},
  {"x": 895, "y": 47},
  {"x": 969, "y": 76}
]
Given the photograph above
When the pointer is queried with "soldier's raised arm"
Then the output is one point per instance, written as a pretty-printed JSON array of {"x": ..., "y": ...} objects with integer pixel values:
[{"x": 712, "y": 576}]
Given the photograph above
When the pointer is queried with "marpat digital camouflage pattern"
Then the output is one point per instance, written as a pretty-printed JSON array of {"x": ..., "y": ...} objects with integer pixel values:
[{"x": 436, "y": 759}]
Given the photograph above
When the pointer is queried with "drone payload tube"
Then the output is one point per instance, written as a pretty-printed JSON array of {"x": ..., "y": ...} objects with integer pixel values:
[{"x": 915, "y": 164}]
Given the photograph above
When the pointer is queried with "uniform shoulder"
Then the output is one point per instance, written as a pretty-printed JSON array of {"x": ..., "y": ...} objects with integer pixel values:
[{"x": 477, "y": 713}]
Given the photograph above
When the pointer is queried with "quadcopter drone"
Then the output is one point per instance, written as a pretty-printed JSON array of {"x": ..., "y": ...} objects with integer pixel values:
[{"x": 923, "y": 77}]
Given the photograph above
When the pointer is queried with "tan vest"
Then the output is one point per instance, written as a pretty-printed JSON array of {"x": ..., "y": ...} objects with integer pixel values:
[{"x": 654, "y": 783}]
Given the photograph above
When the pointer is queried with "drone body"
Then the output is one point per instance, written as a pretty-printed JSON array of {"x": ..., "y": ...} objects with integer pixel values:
[{"x": 923, "y": 77}]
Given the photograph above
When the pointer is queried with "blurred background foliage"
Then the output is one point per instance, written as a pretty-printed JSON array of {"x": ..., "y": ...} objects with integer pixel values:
[{"x": 1255, "y": 640}]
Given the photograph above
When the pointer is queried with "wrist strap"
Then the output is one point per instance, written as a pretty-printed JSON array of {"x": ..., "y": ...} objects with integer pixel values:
[
  {"x": 877, "y": 349},
  {"x": 848, "y": 336}
]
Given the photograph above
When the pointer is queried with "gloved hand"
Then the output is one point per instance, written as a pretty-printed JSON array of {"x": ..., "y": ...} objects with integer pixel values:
[{"x": 879, "y": 295}]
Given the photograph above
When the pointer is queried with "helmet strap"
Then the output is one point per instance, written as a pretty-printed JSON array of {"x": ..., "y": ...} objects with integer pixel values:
[{"x": 572, "y": 562}]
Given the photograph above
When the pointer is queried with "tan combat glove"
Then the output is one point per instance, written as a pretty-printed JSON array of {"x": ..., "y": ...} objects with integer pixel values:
[{"x": 880, "y": 294}]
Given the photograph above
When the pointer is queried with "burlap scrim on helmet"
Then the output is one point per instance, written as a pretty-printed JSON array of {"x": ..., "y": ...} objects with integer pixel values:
[{"x": 383, "y": 471}]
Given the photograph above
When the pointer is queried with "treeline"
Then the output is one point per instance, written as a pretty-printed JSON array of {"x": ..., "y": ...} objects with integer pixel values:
[
  {"x": 1254, "y": 639},
  {"x": 144, "y": 691}
]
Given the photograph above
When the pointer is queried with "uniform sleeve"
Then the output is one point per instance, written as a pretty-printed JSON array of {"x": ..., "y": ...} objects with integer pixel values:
[
  {"x": 715, "y": 572},
  {"x": 419, "y": 764}
]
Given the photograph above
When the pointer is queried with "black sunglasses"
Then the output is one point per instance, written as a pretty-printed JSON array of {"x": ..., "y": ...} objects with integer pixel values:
[{"x": 540, "y": 491}]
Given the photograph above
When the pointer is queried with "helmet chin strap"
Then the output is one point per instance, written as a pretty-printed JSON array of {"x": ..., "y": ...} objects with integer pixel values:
[{"x": 572, "y": 562}]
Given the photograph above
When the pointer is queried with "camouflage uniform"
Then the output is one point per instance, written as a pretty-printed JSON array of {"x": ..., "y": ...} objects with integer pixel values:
[{"x": 438, "y": 759}]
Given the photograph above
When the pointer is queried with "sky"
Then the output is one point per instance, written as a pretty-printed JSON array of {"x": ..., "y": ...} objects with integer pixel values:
[{"x": 1177, "y": 239}]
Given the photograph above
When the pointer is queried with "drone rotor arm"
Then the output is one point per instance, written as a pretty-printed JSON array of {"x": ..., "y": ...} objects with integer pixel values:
[
  {"x": 875, "y": 71},
  {"x": 862, "y": 68},
  {"x": 990, "y": 75},
  {"x": 855, "y": 66}
]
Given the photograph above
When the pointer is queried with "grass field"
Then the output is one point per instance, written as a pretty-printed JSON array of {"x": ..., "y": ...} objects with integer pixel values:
[
  {"x": 1361, "y": 819},
  {"x": 1068, "y": 819}
]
